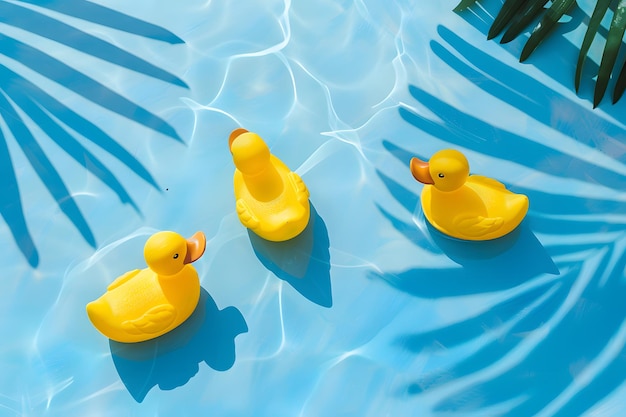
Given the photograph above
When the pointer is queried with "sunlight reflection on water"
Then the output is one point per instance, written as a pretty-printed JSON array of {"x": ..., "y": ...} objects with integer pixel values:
[{"x": 371, "y": 312}]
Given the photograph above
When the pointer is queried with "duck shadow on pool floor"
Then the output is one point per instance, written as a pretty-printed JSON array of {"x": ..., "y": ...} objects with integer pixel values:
[
  {"x": 486, "y": 266},
  {"x": 171, "y": 360},
  {"x": 303, "y": 262},
  {"x": 549, "y": 322}
]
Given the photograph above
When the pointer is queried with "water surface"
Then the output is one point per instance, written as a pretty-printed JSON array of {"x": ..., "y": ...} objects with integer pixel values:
[{"x": 116, "y": 117}]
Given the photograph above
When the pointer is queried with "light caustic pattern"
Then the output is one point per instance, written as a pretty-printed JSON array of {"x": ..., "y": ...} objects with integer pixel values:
[{"x": 370, "y": 312}]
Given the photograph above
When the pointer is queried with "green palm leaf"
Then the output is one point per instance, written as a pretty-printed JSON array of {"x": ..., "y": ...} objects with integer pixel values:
[
  {"x": 611, "y": 48},
  {"x": 507, "y": 13},
  {"x": 527, "y": 14},
  {"x": 543, "y": 28},
  {"x": 464, "y": 4},
  {"x": 620, "y": 85},
  {"x": 518, "y": 14},
  {"x": 594, "y": 24}
]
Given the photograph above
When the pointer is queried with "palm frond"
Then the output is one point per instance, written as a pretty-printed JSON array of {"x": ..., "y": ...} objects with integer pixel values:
[
  {"x": 507, "y": 13},
  {"x": 464, "y": 4},
  {"x": 620, "y": 85},
  {"x": 526, "y": 15},
  {"x": 518, "y": 14},
  {"x": 611, "y": 48},
  {"x": 594, "y": 24},
  {"x": 547, "y": 24},
  {"x": 517, "y": 91}
]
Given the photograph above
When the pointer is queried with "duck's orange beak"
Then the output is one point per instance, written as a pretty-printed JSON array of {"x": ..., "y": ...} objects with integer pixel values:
[
  {"x": 195, "y": 247},
  {"x": 420, "y": 171},
  {"x": 234, "y": 134}
]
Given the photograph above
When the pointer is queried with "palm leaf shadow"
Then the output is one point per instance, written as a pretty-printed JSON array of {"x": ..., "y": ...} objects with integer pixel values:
[
  {"x": 101, "y": 15},
  {"x": 530, "y": 366},
  {"x": 518, "y": 15},
  {"x": 524, "y": 92},
  {"x": 22, "y": 99},
  {"x": 65, "y": 34},
  {"x": 550, "y": 366}
]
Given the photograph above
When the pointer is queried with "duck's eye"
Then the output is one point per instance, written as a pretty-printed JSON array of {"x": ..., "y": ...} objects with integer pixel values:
[
  {"x": 175, "y": 256},
  {"x": 440, "y": 175}
]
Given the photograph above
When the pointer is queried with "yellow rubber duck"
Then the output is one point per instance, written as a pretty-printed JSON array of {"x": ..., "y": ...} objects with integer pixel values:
[
  {"x": 470, "y": 207},
  {"x": 144, "y": 304},
  {"x": 272, "y": 201}
]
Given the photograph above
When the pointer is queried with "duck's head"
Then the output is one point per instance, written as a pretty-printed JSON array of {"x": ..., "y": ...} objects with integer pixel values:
[
  {"x": 250, "y": 153},
  {"x": 447, "y": 170},
  {"x": 167, "y": 253}
]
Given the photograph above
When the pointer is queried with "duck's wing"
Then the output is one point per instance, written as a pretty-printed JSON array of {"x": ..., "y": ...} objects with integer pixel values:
[
  {"x": 477, "y": 226},
  {"x": 246, "y": 215},
  {"x": 122, "y": 279},
  {"x": 156, "y": 319},
  {"x": 486, "y": 181},
  {"x": 299, "y": 186}
]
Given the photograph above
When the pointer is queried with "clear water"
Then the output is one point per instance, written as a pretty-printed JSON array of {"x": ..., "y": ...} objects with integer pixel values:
[{"x": 116, "y": 123}]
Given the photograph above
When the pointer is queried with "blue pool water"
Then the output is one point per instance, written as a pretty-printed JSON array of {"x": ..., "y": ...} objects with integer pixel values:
[{"x": 115, "y": 121}]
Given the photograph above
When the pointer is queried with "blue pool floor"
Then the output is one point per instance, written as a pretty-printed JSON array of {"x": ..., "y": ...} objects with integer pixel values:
[{"x": 115, "y": 123}]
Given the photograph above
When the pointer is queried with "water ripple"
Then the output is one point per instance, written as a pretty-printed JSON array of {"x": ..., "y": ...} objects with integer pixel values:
[{"x": 378, "y": 314}]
